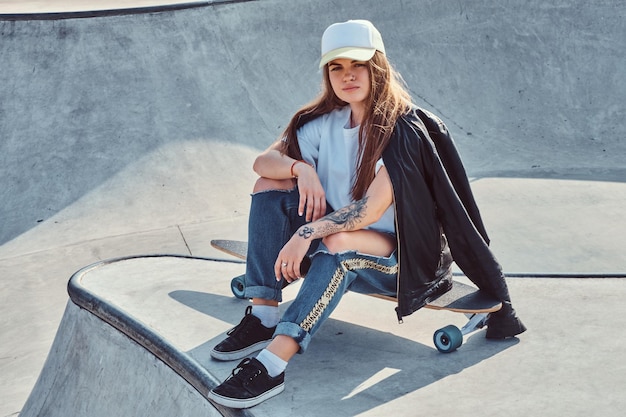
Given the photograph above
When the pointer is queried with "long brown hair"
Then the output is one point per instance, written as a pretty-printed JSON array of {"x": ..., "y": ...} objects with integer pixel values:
[{"x": 387, "y": 101}]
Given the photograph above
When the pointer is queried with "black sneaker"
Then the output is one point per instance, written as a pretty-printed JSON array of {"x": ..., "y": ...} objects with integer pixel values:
[
  {"x": 504, "y": 323},
  {"x": 248, "y": 385},
  {"x": 245, "y": 338}
]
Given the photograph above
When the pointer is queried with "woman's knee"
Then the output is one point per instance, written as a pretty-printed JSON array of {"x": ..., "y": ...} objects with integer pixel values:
[
  {"x": 267, "y": 184},
  {"x": 364, "y": 241},
  {"x": 337, "y": 242}
]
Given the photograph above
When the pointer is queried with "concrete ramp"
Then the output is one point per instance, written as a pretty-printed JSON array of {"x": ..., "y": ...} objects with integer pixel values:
[
  {"x": 96, "y": 370},
  {"x": 125, "y": 118},
  {"x": 136, "y": 336},
  {"x": 125, "y": 134},
  {"x": 106, "y": 361}
]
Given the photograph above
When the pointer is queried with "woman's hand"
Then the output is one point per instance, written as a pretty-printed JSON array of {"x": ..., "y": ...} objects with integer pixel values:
[
  {"x": 274, "y": 165},
  {"x": 312, "y": 195},
  {"x": 290, "y": 258}
]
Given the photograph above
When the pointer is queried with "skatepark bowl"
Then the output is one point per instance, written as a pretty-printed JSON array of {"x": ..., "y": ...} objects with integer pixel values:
[{"x": 127, "y": 135}]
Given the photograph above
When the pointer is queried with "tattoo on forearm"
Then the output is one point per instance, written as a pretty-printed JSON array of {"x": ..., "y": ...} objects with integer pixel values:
[
  {"x": 306, "y": 232},
  {"x": 343, "y": 219},
  {"x": 349, "y": 216}
]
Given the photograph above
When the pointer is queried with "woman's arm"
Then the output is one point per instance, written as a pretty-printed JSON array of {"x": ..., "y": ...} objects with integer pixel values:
[
  {"x": 356, "y": 216},
  {"x": 274, "y": 165}
]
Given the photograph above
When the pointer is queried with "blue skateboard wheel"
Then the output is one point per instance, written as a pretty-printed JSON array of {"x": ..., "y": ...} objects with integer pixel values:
[
  {"x": 448, "y": 339},
  {"x": 238, "y": 286}
]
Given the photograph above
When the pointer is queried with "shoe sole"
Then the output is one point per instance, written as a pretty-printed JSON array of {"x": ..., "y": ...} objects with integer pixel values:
[
  {"x": 506, "y": 331},
  {"x": 239, "y": 354},
  {"x": 248, "y": 402}
]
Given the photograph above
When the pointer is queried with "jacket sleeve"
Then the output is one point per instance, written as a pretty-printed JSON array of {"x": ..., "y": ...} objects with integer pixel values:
[
  {"x": 460, "y": 219},
  {"x": 452, "y": 164}
]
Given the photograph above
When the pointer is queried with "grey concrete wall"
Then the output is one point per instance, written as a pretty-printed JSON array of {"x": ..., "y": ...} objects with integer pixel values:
[{"x": 528, "y": 88}]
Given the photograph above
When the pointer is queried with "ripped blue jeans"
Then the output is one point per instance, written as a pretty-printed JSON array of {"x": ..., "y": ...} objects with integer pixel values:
[{"x": 273, "y": 220}]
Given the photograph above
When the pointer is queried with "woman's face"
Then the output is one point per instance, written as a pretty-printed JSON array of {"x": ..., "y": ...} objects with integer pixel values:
[{"x": 350, "y": 80}]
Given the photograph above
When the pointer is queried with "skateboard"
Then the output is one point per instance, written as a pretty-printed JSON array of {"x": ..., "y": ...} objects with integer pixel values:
[{"x": 462, "y": 298}]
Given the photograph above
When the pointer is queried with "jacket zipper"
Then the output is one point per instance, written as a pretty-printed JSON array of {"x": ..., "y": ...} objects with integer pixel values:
[{"x": 395, "y": 219}]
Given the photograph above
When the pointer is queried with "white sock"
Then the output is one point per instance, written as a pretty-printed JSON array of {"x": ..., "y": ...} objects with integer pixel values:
[
  {"x": 274, "y": 365},
  {"x": 269, "y": 315}
]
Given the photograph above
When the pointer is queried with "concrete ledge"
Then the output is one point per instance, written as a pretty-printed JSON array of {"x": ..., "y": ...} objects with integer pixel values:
[
  {"x": 137, "y": 334},
  {"x": 96, "y": 363},
  {"x": 64, "y": 11}
]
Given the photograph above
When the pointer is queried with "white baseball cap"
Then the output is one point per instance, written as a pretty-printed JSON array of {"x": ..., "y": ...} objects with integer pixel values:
[{"x": 354, "y": 39}]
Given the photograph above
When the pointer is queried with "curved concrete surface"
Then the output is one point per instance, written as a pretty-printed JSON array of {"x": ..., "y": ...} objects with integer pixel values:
[
  {"x": 133, "y": 134},
  {"x": 91, "y": 105},
  {"x": 104, "y": 360},
  {"x": 178, "y": 308},
  {"x": 65, "y": 9},
  {"x": 93, "y": 370}
]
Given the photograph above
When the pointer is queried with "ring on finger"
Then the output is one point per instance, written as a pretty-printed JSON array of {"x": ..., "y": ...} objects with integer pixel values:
[{"x": 284, "y": 264}]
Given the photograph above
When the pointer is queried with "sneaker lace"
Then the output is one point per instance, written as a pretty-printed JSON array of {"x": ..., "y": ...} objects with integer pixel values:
[
  {"x": 241, "y": 327},
  {"x": 245, "y": 372}
]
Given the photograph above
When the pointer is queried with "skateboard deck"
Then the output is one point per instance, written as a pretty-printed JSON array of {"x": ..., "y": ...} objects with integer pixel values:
[
  {"x": 236, "y": 248},
  {"x": 462, "y": 298}
]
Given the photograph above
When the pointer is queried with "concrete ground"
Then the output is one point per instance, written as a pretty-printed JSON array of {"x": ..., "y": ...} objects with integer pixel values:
[{"x": 134, "y": 134}]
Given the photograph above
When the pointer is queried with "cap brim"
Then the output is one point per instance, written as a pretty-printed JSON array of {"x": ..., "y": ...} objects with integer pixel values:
[{"x": 357, "y": 54}]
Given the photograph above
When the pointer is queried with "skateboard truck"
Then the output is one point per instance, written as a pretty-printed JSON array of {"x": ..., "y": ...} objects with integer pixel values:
[{"x": 450, "y": 338}]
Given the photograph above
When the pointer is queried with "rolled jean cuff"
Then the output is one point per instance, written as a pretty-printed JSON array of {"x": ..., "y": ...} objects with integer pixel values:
[
  {"x": 297, "y": 333},
  {"x": 266, "y": 293}
]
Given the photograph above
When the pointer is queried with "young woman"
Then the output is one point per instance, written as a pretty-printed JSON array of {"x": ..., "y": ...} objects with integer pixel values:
[{"x": 363, "y": 193}]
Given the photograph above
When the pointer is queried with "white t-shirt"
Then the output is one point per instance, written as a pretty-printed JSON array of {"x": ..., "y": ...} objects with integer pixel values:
[{"x": 331, "y": 147}]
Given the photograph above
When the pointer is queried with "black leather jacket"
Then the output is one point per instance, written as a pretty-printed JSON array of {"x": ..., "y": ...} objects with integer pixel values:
[{"x": 437, "y": 219}]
